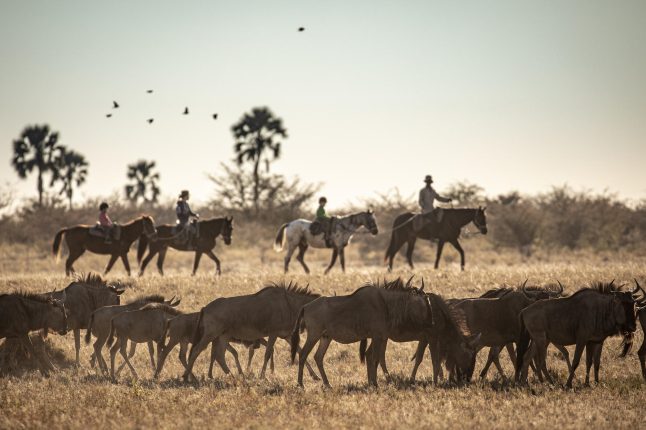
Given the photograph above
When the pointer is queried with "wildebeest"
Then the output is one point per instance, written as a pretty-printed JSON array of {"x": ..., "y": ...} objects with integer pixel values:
[
  {"x": 99, "y": 325},
  {"x": 271, "y": 313},
  {"x": 587, "y": 317},
  {"x": 181, "y": 330},
  {"x": 496, "y": 317},
  {"x": 147, "y": 324},
  {"x": 21, "y": 313},
  {"x": 84, "y": 296}
]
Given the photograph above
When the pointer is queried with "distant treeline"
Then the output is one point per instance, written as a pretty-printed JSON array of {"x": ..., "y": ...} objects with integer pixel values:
[{"x": 559, "y": 218}]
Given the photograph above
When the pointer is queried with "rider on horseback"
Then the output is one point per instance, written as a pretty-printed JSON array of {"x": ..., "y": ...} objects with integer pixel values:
[
  {"x": 105, "y": 223},
  {"x": 427, "y": 197},
  {"x": 326, "y": 222},
  {"x": 184, "y": 215}
]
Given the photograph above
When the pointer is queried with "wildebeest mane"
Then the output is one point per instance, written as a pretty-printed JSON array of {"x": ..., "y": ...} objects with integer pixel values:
[
  {"x": 156, "y": 298},
  {"x": 601, "y": 288},
  {"x": 454, "y": 319},
  {"x": 292, "y": 287},
  {"x": 162, "y": 306},
  {"x": 37, "y": 297},
  {"x": 396, "y": 284}
]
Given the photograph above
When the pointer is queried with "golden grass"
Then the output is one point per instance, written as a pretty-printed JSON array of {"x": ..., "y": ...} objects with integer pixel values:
[{"x": 79, "y": 398}]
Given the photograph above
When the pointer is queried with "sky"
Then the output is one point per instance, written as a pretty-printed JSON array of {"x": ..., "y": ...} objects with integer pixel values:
[{"x": 510, "y": 95}]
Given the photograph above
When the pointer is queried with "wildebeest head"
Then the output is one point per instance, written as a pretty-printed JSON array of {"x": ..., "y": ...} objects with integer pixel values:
[
  {"x": 173, "y": 302},
  {"x": 541, "y": 293},
  {"x": 480, "y": 219},
  {"x": 56, "y": 316},
  {"x": 227, "y": 230},
  {"x": 625, "y": 311}
]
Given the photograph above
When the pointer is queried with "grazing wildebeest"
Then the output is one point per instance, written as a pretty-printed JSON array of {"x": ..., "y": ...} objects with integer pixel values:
[
  {"x": 496, "y": 318},
  {"x": 271, "y": 313},
  {"x": 84, "y": 296},
  {"x": 448, "y": 230},
  {"x": 297, "y": 234},
  {"x": 208, "y": 229},
  {"x": 79, "y": 239},
  {"x": 99, "y": 325},
  {"x": 587, "y": 317},
  {"x": 181, "y": 330},
  {"x": 641, "y": 314},
  {"x": 147, "y": 324},
  {"x": 21, "y": 313}
]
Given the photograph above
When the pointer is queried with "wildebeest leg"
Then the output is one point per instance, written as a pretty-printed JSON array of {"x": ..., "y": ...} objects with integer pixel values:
[
  {"x": 126, "y": 264},
  {"x": 161, "y": 259},
  {"x": 566, "y": 355},
  {"x": 250, "y": 355},
  {"x": 575, "y": 362},
  {"x": 147, "y": 260},
  {"x": 196, "y": 349},
  {"x": 165, "y": 350},
  {"x": 440, "y": 246},
  {"x": 269, "y": 350},
  {"x": 71, "y": 258},
  {"x": 217, "y": 262},
  {"x": 527, "y": 361},
  {"x": 133, "y": 349},
  {"x": 597, "y": 362},
  {"x": 457, "y": 246},
  {"x": 302, "y": 247},
  {"x": 342, "y": 258},
  {"x": 320, "y": 355},
  {"x": 382, "y": 359},
  {"x": 113, "y": 259},
  {"x": 435, "y": 359},
  {"x": 77, "y": 345},
  {"x": 151, "y": 351},
  {"x": 642, "y": 354},
  {"x": 541, "y": 357},
  {"x": 493, "y": 352},
  {"x": 419, "y": 356},
  {"x": 212, "y": 360},
  {"x": 26, "y": 343},
  {"x": 196, "y": 263},
  {"x": 123, "y": 350},
  {"x": 335, "y": 252},
  {"x": 512, "y": 353},
  {"x": 219, "y": 350},
  {"x": 409, "y": 251},
  {"x": 372, "y": 360},
  {"x": 589, "y": 356},
  {"x": 303, "y": 353},
  {"x": 98, "y": 344},
  {"x": 231, "y": 349}
]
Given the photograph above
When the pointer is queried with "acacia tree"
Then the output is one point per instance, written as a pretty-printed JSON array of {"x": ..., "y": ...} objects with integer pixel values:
[
  {"x": 71, "y": 170},
  {"x": 35, "y": 149},
  {"x": 144, "y": 182},
  {"x": 257, "y": 137}
]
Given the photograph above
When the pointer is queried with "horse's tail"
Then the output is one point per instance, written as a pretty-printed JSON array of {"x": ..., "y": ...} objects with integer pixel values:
[
  {"x": 88, "y": 333},
  {"x": 296, "y": 338},
  {"x": 56, "y": 246},
  {"x": 141, "y": 247},
  {"x": 362, "y": 350},
  {"x": 279, "y": 243}
]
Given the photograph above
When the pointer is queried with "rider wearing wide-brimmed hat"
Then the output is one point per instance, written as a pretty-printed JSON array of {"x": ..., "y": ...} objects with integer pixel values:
[
  {"x": 427, "y": 197},
  {"x": 184, "y": 214}
]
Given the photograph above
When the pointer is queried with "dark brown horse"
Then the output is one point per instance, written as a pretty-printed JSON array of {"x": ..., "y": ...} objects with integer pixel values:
[
  {"x": 448, "y": 230},
  {"x": 208, "y": 230},
  {"x": 79, "y": 240}
]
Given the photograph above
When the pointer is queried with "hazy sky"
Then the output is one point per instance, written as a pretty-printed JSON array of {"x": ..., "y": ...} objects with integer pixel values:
[{"x": 375, "y": 94}]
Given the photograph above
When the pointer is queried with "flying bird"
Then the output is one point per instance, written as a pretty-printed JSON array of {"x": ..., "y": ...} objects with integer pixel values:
[
  {"x": 301, "y": 28},
  {"x": 149, "y": 91},
  {"x": 186, "y": 111},
  {"x": 108, "y": 115},
  {"x": 150, "y": 121},
  {"x": 115, "y": 105},
  {"x": 215, "y": 116}
]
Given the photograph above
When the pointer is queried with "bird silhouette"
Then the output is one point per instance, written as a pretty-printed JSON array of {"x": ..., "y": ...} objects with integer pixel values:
[
  {"x": 149, "y": 91},
  {"x": 108, "y": 115},
  {"x": 185, "y": 111},
  {"x": 115, "y": 105},
  {"x": 301, "y": 28},
  {"x": 215, "y": 116},
  {"x": 150, "y": 121}
]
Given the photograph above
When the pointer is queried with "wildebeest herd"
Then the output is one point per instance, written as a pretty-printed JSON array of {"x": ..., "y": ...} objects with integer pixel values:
[{"x": 524, "y": 320}]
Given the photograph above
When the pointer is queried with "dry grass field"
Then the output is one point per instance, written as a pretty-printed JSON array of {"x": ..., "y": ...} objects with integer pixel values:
[{"x": 80, "y": 398}]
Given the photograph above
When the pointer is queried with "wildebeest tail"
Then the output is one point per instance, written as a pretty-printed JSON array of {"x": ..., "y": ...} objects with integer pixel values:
[
  {"x": 165, "y": 333},
  {"x": 141, "y": 247},
  {"x": 627, "y": 344},
  {"x": 295, "y": 340},
  {"x": 199, "y": 329},
  {"x": 280, "y": 238},
  {"x": 363, "y": 345},
  {"x": 111, "y": 337},
  {"x": 88, "y": 333},
  {"x": 522, "y": 347},
  {"x": 56, "y": 246}
]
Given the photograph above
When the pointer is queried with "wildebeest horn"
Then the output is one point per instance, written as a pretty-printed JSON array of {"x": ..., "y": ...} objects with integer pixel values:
[
  {"x": 638, "y": 288},
  {"x": 522, "y": 289},
  {"x": 422, "y": 289},
  {"x": 176, "y": 302},
  {"x": 409, "y": 281},
  {"x": 560, "y": 286}
]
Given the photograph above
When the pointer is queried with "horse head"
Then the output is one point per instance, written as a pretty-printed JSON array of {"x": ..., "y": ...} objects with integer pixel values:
[
  {"x": 369, "y": 221},
  {"x": 227, "y": 229},
  {"x": 149, "y": 227},
  {"x": 480, "y": 219}
]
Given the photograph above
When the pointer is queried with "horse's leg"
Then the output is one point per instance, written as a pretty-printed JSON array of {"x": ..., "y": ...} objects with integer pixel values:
[
  {"x": 409, "y": 251},
  {"x": 196, "y": 263},
  {"x": 335, "y": 252},
  {"x": 457, "y": 246},
  {"x": 302, "y": 247},
  {"x": 145, "y": 261},
  {"x": 210, "y": 253},
  {"x": 160, "y": 260},
  {"x": 288, "y": 256},
  {"x": 440, "y": 245},
  {"x": 342, "y": 258},
  {"x": 113, "y": 259},
  {"x": 71, "y": 258},
  {"x": 126, "y": 264}
]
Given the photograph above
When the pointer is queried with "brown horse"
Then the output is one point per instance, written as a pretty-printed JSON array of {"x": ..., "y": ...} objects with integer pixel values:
[
  {"x": 208, "y": 229},
  {"x": 79, "y": 240}
]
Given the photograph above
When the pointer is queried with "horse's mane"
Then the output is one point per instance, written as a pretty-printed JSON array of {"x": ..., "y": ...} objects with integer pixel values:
[
  {"x": 292, "y": 287},
  {"x": 162, "y": 306},
  {"x": 140, "y": 217},
  {"x": 157, "y": 298}
]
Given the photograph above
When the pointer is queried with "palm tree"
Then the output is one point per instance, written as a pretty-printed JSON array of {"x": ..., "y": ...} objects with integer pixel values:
[
  {"x": 71, "y": 170},
  {"x": 35, "y": 149},
  {"x": 143, "y": 182},
  {"x": 257, "y": 138}
]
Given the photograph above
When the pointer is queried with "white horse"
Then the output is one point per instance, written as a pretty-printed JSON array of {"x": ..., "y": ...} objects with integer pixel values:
[{"x": 297, "y": 235}]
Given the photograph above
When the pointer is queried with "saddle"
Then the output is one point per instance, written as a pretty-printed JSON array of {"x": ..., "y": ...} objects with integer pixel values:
[
  {"x": 421, "y": 220},
  {"x": 325, "y": 227},
  {"x": 99, "y": 231},
  {"x": 192, "y": 230}
]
